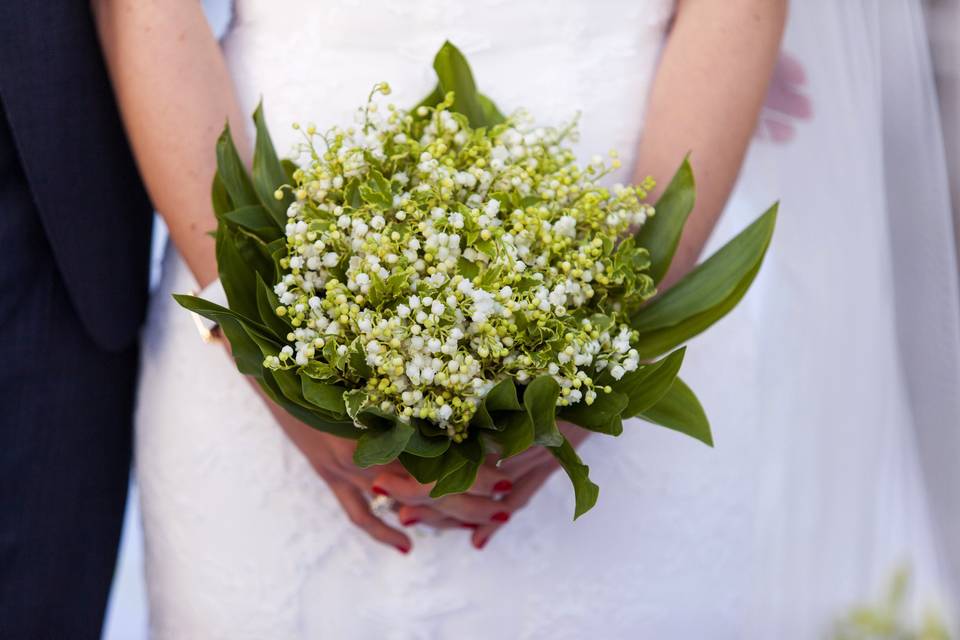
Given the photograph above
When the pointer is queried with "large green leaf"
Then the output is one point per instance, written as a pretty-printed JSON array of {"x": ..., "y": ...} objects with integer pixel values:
[
  {"x": 381, "y": 446},
  {"x": 427, "y": 446},
  {"x": 313, "y": 419},
  {"x": 516, "y": 434},
  {"x": 680, "y": 410},
  {"x": 213, "y": 311},
  {"x": 256, "y": 220},
  {"x": 603, "y": 416},
  {"x": 236, "y": 274},
  {"x": 245, "y": 351},
  {"x": 424, "y": 469},
  {"x": 454, "y": 74},
  {"x": 268, "y": 173},
  {"x": 461, "y": 464},
  {"x": 267, "y": 304},
  {"x": 707, "y": 293},
  {"x": 233, "y": 173},
  {"x": 540, "y": 399},
  {"x": 221, "y": 199},
  {"x": 661, "y": 233},
  {"x": 502, "y": 397},
  {"x": 645, "y": 386},
  {"x": 584, "y": 490},
  {"x": 328, "y": 397}
]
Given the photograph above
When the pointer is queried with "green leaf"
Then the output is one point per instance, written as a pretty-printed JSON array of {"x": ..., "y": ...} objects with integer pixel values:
[
  {"x": 354, "y": 400},
  {"x": 328, "y": 397},
  {"x": 425, "y": 470},
  {"x": 246, "y": 353},
  {"x": 218, "y": 194},
  {"x": 491, "y": 115},
  {"x": 267, "y": 304},
  {"x": 661, "y": 233},
  {"x": 540, "y": 399},
  {"x": 289, "y": 168},
  {"x": 358, "y": 360},
  {"x": 454, "y": 74},
  {"x": 680, "y": 410},
  {"x": 382, "y": 446},
  {"x": 289, "y": 384},
  {"x": 376, "y": 190},
  {"x": 459, "y": 476},
  {"x": 603, "y": 416},
  {"x": 256, "y": 220},
  {"x": 516, "y": 435},
  {"x": 309, "y": 418},
  {"x": 236, "y": 275},
  {"x": 232, "y": 172},
  {"x": 268, "y": 173},
  {"x": 645, "y": 386},
  {"x": 584, "y": 490},
  {"x": 426, "y": 446},
  {"x": 503, "y": 397},
  {"x": 707, "y": 293}
]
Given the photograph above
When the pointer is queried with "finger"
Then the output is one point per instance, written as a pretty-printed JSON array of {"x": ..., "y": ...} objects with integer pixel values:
[
  {"x": 524, "y": 489},
  {"x": 481, "y": 536},
  {"x": 525, "y": 462},
  {"x": 463, "y": 507},
  {"x": 412, "y": 515},
  {"x": 357, "y": 508},
  {"x": 402, "y": 487},
  {"x": 491, "y": 481},
  {"x": 472, "y": 509}
]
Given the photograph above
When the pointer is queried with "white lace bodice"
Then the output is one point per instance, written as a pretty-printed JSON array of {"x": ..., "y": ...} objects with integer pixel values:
[{"x": 317, "y": 61}]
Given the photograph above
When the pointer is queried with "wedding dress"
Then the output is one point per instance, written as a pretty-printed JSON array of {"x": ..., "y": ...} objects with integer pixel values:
[{"x": 811, "y": 496}]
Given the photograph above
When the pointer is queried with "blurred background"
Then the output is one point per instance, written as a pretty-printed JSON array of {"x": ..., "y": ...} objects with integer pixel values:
[
  {"x": 943, "y": 25},
  {"x": 127, "y": 616}
]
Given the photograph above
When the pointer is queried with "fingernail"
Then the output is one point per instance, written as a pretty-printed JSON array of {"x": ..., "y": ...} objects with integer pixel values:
[
  {"x": 500, "y": 516},
  {"x": 401, "y": 549},
  {"x": 380, "y": 491},
  {"x": 503, "y": 486},
  {"x": 469, "y": 525},
  {"x": 410, "y": 522},
  {"x": 481, "y": 544}
]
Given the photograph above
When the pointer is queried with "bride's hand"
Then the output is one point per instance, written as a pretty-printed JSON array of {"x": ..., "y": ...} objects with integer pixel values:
[
  {"x": 498, "y": 493},
  {"x": 479, "y": 505},
  {"x": 332, "y": 458},
  {"x": 528, "y": 472}
]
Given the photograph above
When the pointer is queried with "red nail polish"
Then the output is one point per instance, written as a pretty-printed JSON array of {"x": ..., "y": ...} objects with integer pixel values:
[
  {"x": 469, "y": 525},
  {"x": 503, "y": 486},
  {"x": 481, "y": 544},
  {"x": 500, "y": 516},
  {"x": 403, "y": 550},
  {"x": 410, "y": 522},
  {"x": 380, "y": 491}
]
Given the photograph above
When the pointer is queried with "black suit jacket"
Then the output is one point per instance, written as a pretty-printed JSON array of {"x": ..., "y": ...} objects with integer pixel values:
[{"x": 82, "y": 181}]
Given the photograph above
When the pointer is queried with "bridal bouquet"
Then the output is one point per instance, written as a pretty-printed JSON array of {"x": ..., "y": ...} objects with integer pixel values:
[{"x": 445, "y": 282}]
